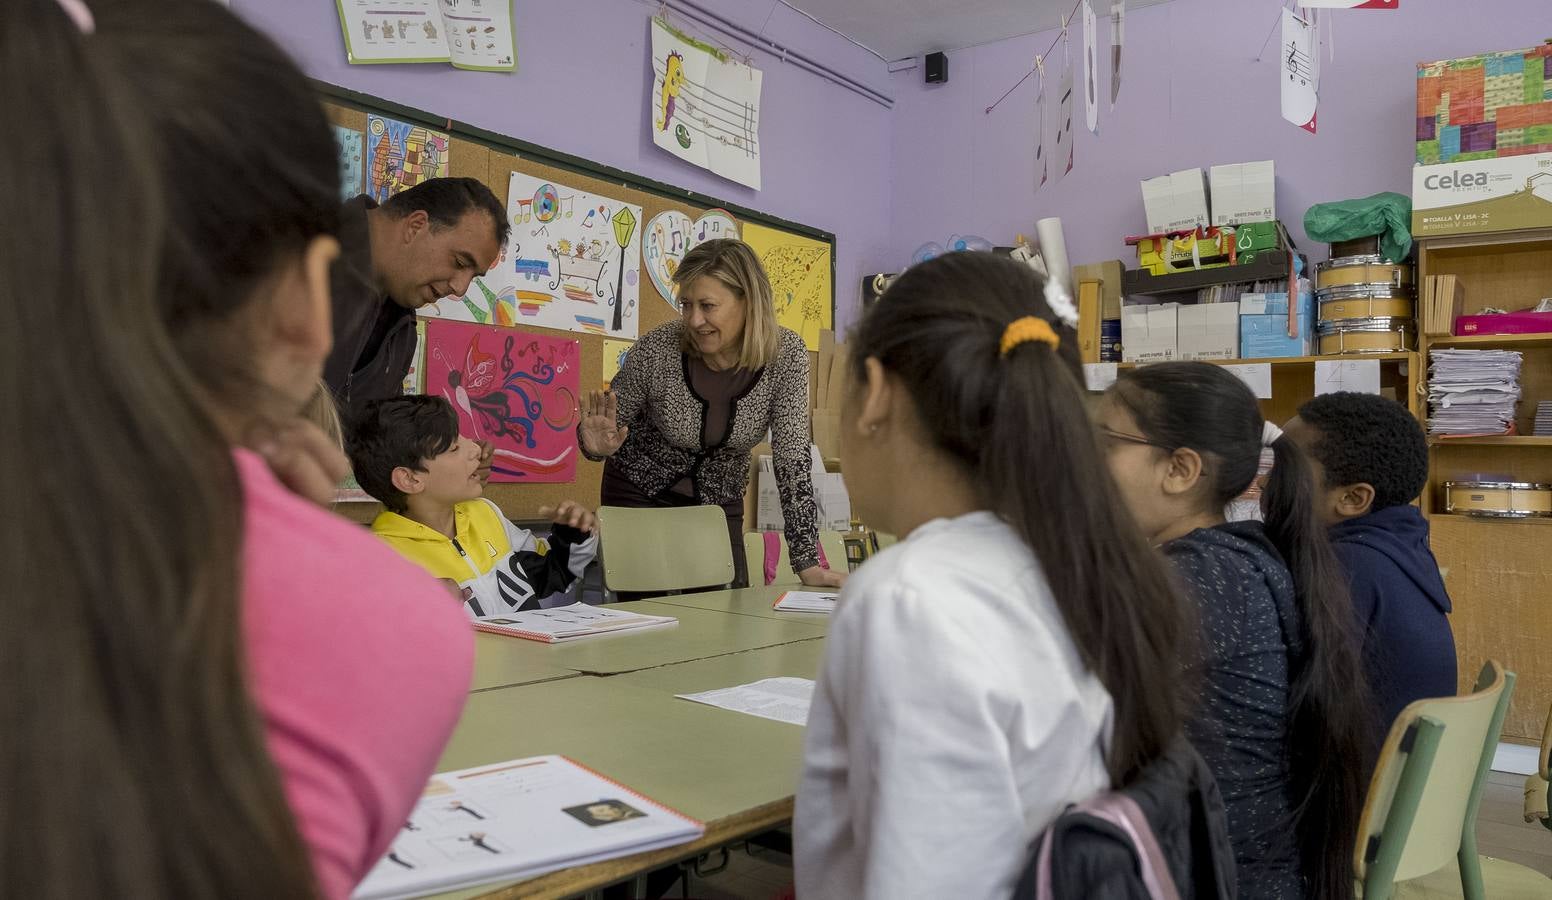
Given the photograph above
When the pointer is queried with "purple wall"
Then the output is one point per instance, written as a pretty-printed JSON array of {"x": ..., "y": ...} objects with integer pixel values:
[
  {"x": 581, "y": 88},
  {"x": 1192, "y": 95}
]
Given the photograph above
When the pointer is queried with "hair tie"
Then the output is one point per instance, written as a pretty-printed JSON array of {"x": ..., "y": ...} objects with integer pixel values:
[
  {"x": 1269, "y": 434},
  {"x": 79, "y": 14},
  {"x": 1029, "y": 328}
]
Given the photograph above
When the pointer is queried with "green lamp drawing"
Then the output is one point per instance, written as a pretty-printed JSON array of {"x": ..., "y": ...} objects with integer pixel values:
[{"x": 624, "y": 223}]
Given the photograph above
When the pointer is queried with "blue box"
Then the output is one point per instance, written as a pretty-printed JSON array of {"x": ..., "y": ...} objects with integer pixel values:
[{"x": 1263, "y": 326}]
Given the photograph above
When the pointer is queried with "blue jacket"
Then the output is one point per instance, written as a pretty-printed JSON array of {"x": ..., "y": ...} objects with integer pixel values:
[{"x": 1399, "y": 596}]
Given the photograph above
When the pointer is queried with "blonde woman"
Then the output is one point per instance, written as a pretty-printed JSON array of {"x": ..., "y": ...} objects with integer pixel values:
[{"x": 696, "y": 395}]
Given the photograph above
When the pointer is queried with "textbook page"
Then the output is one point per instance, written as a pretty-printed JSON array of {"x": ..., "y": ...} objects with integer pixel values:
[{"x": 780, "y": 699}]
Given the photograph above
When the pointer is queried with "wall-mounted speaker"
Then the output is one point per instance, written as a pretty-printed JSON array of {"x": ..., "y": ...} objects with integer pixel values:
[{"x": 937, "y": 68}]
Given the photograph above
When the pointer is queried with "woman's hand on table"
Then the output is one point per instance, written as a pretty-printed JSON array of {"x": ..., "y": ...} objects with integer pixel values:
[
  {"x": 820, "y": 577},
  {"x": 601, "y": 434}
]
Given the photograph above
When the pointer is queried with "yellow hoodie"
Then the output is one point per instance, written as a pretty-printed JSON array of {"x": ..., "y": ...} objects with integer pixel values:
[{"x": 502, "y": 568}]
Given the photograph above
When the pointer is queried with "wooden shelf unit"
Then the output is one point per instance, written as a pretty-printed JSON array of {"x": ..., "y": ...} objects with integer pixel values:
[{"x": 1499, "y": 572}]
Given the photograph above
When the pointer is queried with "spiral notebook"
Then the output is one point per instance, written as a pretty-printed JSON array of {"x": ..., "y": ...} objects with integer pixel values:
[
  {"x": 806, "y": 601},
  {"x": 517, "y": 820},
  {"x": 568, "y": 623}
]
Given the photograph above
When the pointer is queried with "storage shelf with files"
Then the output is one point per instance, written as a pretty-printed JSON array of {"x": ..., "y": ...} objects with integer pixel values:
[
  {"x": 1271, "y": 265},
  {"x": 1505, "y": 341},
  {"x": 1396, "y": 356},
  {"x": 1491, "y": 440}
]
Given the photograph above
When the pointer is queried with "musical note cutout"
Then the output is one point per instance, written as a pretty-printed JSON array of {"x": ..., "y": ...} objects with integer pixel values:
[
  {"x": 1300, "y": 87},
  {"x": 671, "y": 234}
]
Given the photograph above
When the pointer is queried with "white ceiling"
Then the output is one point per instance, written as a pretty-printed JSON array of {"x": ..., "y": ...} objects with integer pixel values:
[{"x": 898, "y": 29}]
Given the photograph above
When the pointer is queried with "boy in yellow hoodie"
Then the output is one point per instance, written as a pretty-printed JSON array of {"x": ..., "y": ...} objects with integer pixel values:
[{"x": 407, "y": 453}]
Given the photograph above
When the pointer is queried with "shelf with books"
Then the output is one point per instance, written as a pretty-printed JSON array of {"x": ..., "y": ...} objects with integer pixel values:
[{"x": 1491, "y": 440}]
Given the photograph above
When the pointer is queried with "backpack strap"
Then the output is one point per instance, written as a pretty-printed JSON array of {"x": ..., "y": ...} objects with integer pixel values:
[{"x": 1124, "y": 813}]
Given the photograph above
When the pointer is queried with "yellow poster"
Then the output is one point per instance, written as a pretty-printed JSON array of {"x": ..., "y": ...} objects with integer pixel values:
[
  {"x": 614, "y": 358},
  {"x": 799, "y": 269}
]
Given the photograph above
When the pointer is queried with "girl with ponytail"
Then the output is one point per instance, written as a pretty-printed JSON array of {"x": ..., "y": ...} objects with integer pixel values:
[
  {"x": 1281, "y": 717},
  {"x": 1016, "y": 651}
]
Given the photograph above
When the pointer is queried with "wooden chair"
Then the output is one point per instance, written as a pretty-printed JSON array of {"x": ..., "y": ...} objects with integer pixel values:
[
  {"x": 831, "y": 542},
  {"x": 665, "y": 550},
  {"x": 1417, "y": 834},
  {"x": 1536, "y": 783}
]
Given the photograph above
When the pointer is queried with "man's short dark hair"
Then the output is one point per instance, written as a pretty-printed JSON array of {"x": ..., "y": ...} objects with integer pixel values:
[
  {"x": 1367, "y": 439},
  {"x": 447, "y": 200},
  {"x": 400, "y": 431}
]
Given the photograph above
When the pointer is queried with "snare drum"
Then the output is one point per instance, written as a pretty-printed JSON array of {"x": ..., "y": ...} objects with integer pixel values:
[
  {"x": 1347, "y": 271},
  {"x": 1378, "y": 334},
  {"x": 1498, "y": 499},
  {"x": 1368, "y": 301}
]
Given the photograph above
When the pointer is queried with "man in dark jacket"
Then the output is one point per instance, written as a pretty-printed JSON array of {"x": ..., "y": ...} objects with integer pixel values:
[
  {"x": 1372, "y": 459},
  {"x": 422, "y": 244}
]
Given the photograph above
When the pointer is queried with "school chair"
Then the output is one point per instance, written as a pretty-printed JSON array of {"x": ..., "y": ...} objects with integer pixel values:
[
  {"x": 1536, "y": 782},
  {"x": 1417, "y": 833},
  {"x": 665, "y": 550},
  {"x": 769, "y": 564}
]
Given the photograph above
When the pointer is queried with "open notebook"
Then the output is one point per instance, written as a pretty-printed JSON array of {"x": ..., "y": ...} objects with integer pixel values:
[
  {"x": 806, "y": 601},
  {"x": 568, "y": 623},
  {"x": 516, "y": 820}
]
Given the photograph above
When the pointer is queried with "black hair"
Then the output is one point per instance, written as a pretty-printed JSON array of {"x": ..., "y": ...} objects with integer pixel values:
[
  {"x": 399, "y": 431},
  {"x": 445, "y": 201},
  {"x": 1368, "y": 439},
  {"x": 1208, "y": 409},
  {"x": 1017, "y": 425}
]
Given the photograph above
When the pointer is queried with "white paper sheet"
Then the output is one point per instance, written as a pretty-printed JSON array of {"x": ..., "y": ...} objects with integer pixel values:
[
  {"x": 404, "y": 31},
  {"x": 479, "y": 34},
  {"x": 1361, "y": 376},
  {"x": 807, "y": 601},
  {"x": 1099, "y": 376},
  {"x": 1258, "y": 376},
  {"x": 1297, "y": 71},
  {"x": 705, "y": 109},
  {"x": 1090, "y": 68},
  {"x": 779, "y": 699}
]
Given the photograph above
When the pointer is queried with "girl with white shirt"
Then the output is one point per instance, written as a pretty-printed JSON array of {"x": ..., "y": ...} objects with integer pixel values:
[{"x": 1016, "y": 651}]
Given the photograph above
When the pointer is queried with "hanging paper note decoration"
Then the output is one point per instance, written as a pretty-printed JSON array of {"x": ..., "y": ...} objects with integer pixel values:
[
  {"x": 573, "y": 263},
  {"x": 414, "y": 379},
  {"x": 349, "y": 145},
  {"x": 671, "y": 234},
  {"x": 705, "y": 106},
  {"x": 1090, "y": 68},
  {"x": 614, "y": 359},
  {"x": 1042, "y": 166},
  {"x": 801, "y": 280},
  {"x": 1300, "y": 86},
  {"x": 1063, "y": 152},
  {"x": 400, "y": 155},
  {"x": 512, "y": 388},
  {"x": 1350, "y": 4},
  {"x": 1117, "y": 36}
]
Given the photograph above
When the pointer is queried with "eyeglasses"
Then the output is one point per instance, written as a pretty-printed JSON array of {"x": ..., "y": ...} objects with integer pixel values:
[{"x": 1114, "y": 437}]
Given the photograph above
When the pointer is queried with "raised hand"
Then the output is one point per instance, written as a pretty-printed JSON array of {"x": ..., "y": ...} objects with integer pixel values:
[{"x": 601, "y": 435}]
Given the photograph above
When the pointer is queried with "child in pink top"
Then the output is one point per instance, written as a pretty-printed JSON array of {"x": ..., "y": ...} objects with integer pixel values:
[{"x": 360, "y": 663}]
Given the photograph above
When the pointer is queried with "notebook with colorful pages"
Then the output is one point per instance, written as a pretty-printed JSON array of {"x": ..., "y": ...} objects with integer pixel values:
[
  {"x": 568, "y": 623},
  {"x": 516, "y": 820},
  {"x": 806, "y": 601}
]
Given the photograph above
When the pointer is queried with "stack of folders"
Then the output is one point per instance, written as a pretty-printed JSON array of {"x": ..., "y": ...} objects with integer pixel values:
[
  {"x": 1544, "y": 419},
  {"x": 1473, "y": 392},
  {"x": 568, "y": 623}
]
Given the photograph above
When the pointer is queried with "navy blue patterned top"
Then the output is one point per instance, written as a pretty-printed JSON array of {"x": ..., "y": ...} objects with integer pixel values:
[{"x": 1250, "y": 632}]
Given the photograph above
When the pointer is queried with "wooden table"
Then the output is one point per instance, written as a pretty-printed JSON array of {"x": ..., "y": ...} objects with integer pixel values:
[
  {"x": 749, "y": 602},
  {"x": 734, "y": 772}
]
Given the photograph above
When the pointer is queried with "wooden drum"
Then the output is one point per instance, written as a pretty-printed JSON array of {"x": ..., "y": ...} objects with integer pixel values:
[
  {"x": 1367, "y": 301},
  {"x": 1498, "y": 499},
  {"x": 1378, "y": 334},
  {"x": 1348, "y": 271}
]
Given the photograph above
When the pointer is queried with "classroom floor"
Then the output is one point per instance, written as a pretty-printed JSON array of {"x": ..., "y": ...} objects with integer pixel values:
[{"x": 1501, "y": 832}]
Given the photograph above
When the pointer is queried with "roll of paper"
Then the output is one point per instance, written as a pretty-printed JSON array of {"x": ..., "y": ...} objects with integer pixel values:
[{"x": 1053, "y": 247}]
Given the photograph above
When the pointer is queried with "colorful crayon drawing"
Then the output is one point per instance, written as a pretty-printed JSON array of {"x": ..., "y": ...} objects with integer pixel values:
[
  {"x": 400, "y": 155},
  {"x": 801, "y": 280},
  {"x": 515, "y": 389},
  {"x": 573, "y": 263},
  {"x": 705, "y": 106},
  {"x": 614, "y": 359},
  {"x": 671, "y": 234},
  {"x": 349, "y": 143}
]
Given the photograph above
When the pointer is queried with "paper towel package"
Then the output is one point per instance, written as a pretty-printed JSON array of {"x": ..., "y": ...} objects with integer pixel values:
[
  {"x": 1150, "y": 332},
  {"x": 1243, "y": 193},
  {"x": 1176, "y": 202},
  {"x": 1208, "y": 331}
]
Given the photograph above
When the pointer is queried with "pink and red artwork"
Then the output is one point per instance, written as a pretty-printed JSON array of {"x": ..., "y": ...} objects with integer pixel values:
[{"x": 513, "y": 388}]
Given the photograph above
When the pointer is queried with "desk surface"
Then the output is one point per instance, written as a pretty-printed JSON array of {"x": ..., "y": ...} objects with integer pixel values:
[
  {"x": 748, "y": 602},
  {"x": 736, "y": 773}
]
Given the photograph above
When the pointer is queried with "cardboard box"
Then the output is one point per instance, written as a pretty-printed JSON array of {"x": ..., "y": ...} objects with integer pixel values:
[
  {"x": 1263, "y": 326},
  {"x": 1208, "y": 331},
  {"x": 1150, "y": 332},
  {"x": 829, "y": 492},
  {"x": 1176, "y": 202},
  {"x": 1484, "y": 144},
  {"x": 1254, "y": 238},
  {"x": 1108, "y": 274},
  {"x": 1210, "y": 248},
  {"x": 1243, "y": 193}
]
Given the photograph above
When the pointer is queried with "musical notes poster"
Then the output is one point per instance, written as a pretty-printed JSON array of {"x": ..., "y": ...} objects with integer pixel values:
[
  {"x": 671, "y": 234},
  {"x": 705, "y": 106},
  {"x": 573, "y": 263},
  {"x": 1300, "y": 84}
]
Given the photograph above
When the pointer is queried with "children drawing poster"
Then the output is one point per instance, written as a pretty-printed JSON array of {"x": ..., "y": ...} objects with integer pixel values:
[
  {"x": 671, "y": 234},
  {"x": 799, "y": 269},
  {"x": 515, "y": 389},
  {"x": 349, "y": 143},
  {"x": 705, "y": 106},
  {"x": 614, "y": 359},
  {"x": 573, "y": 263},
  {"x": 400, "y": 155}
]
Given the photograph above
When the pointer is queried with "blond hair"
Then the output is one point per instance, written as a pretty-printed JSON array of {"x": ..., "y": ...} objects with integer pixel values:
[
  {"x": 322, "y": 411},
  {"x": 735, "y": 264}
]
